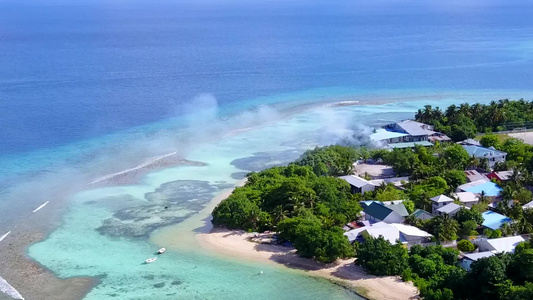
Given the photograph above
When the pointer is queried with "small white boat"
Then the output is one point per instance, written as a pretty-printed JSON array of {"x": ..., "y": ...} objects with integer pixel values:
[
  {"x": 161, "y": 251},
  {"x": 150, "y": 260}
]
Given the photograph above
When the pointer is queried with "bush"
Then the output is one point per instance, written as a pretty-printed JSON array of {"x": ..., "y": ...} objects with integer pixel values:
[{"x": 466, "y": 246}]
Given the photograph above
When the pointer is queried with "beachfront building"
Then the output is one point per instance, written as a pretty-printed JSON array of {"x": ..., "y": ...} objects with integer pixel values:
[
  {"x": 415, "y": 131},
  {"x": 393, "y": 213},
  {"x": 449, "y": 209},
  {"x": 358, "y": 184},
  {"x": 407, "y": 134},
  {"x": 494, "y": 220},
  {"x": 499, "y": 245},
  {"x": 492, "y": 155},
  {"x": 439, "y": 202},
  {"x": 393, "y": 233}
]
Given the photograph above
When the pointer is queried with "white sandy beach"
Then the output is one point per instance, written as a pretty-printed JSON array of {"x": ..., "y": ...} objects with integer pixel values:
[{"x": 235, "y": 244}]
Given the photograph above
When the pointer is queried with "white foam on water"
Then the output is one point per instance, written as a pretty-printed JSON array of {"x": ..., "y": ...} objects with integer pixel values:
[
  {"x": 4, "y": 236},
  {"x": 42, "y": 205},
  {"x": 7, "y": 289},
  {"x": 143, "y": 165}
]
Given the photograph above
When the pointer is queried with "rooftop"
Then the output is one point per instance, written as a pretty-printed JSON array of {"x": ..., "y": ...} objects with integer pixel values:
[
  {"x": 474, "y": 175},
  {"x": 449, "y": 208},
  {"x": 420, "y": 214},
  {"x": 504, "y": 175},
  {"x": 478, "y": 151},
  {"x": 399, "y": 208},
  {"x": 466, "y": 197},
  {"x": 355, "y": 180},
  {"x": 410, "y": 145},
  {"x": 410, "y": 230},
  {"x": 505, "y": 244},
  {"x": 478, "y": 255},
  {"x": 490, "y": 188},
  {"x": 494, "y": 220},
  {"x": 378, "y": 211},
  {"x": 528, "y": 205},
  {"x": 441, "y": 198},
  {"x": 383, "y": 134},
  {"x": 470, "y": 142},
  {"x": 415, "y": 128}
]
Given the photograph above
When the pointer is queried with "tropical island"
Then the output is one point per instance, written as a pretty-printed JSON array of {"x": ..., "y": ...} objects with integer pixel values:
[{"x": 443, "y": 201}]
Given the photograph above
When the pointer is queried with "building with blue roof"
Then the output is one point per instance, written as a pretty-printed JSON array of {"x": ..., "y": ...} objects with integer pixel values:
[
  {"x": 489, "y": 188},
  {"x": 492, "y": 155},
  {"x": 494, "y": 220}
]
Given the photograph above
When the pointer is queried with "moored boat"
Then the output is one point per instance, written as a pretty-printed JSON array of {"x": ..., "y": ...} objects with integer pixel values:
[
  {"x": 150, "y": 260},
  {"x": 161, "y": 251}
]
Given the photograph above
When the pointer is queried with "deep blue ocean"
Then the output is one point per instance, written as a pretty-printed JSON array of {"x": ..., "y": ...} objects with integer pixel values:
[{"x": 73, "y": 70}]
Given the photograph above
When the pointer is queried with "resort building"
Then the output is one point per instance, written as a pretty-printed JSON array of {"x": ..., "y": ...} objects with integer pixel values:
[
  {"x": 439, "y": 202},
  {"x": 492, "y": 155},
  {"x": 494, "y": 220},
  {"x": 378, "y": 212},
  {"x": 415, "y": 131},
  {"x": 449, "y": 209},
  {"x": 407, "y": 134},
  {"x": 499, "y": 245},
  {"x": 358, "y": 184}
]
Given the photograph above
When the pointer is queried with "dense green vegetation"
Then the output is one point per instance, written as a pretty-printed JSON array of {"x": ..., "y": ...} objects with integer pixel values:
[
  {"x": 464, "y": 121},
  {"x": 302, "y": 203},
  {"x": 435, "y": 271}
]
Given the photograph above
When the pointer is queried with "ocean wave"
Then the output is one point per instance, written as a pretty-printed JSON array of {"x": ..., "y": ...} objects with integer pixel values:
[
  {"x": 4, "y": 236},
  {"x": 7, "y": 289},
  {"x": 127, "y": 175}
]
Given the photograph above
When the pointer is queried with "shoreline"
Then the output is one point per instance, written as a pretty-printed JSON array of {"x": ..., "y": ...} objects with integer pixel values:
[
  {"x": 234, "y": 244},
  {"x": 197, "y": 233}
]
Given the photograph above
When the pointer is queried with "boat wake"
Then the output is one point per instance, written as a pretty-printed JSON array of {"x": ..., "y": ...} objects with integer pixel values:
[{"x": 7, "y": 289}]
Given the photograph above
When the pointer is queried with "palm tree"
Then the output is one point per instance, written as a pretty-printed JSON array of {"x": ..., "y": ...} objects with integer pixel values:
[{"x": 279, "y": 214}]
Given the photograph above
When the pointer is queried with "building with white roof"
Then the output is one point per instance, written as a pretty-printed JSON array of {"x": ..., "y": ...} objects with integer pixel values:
[
  {"x": 468, "y": 199},
  {"x": 439, "y": 201},
  {"x": 528, "y": 205},
  {"x": 449, "y": 209},
  {"x": 469, "y": 258},
  {"x": 358, "y": 184},
  {"x": 499, "y": 245},
  {"x": 492, "y": 155},
  {"x": 406, "y": 234}
]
